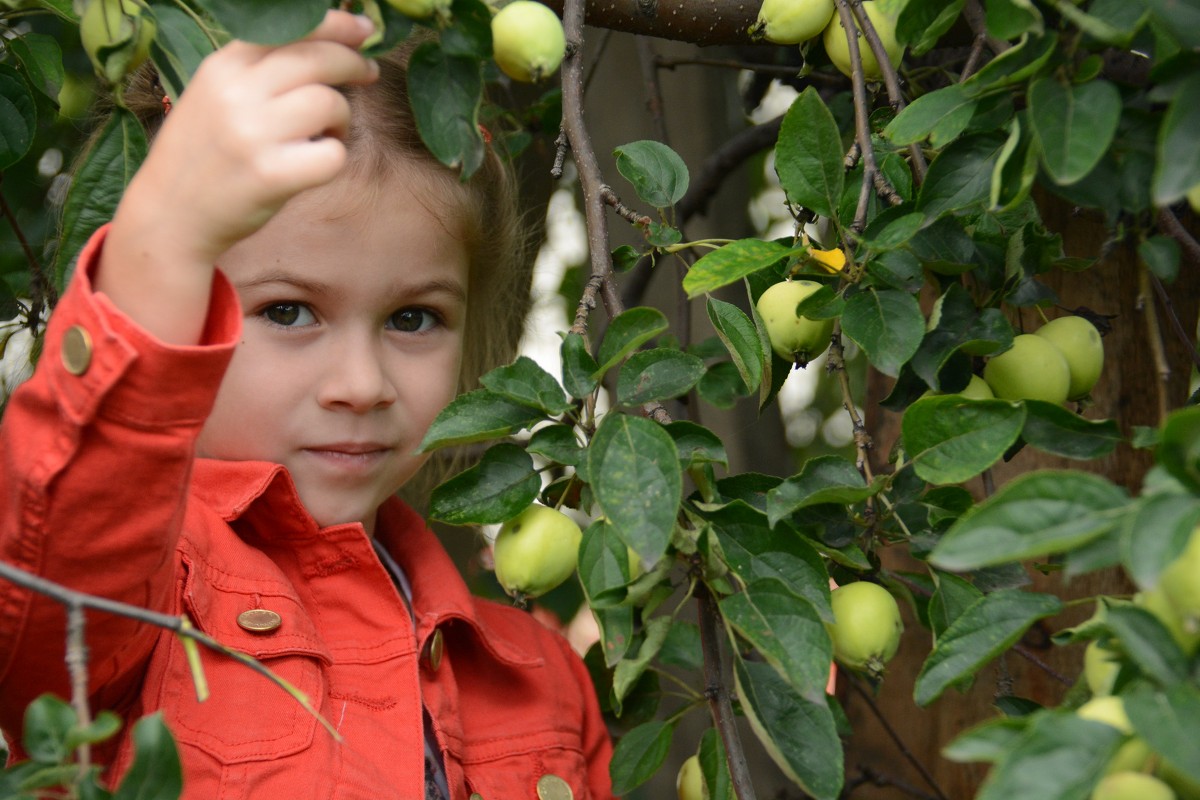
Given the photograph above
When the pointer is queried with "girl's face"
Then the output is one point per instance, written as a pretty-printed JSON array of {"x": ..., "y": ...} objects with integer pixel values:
[{"x": 354, "y": 298}]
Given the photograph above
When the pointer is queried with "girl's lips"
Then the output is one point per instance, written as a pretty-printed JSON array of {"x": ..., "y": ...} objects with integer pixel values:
[{"x": 350, "y": 456}]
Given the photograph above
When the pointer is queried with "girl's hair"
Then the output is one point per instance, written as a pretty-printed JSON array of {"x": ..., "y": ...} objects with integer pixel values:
[{"x": 383, "y": 140}]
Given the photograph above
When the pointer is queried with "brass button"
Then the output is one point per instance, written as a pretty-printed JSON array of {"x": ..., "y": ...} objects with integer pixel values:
[
  {"x": 434, "y": 648},
  {"x": 552, "y": 787},
  {"x": 77, "y": 350},
  {"x": 476, "y": 796},
  {"x": 259, "y": 620}
]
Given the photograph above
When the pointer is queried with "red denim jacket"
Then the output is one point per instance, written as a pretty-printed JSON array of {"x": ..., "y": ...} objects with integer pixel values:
[{"x": 100, "y": 491}]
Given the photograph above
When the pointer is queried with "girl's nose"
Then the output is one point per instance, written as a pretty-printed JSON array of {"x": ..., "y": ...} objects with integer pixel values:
[{"x": 356, "y": 378}]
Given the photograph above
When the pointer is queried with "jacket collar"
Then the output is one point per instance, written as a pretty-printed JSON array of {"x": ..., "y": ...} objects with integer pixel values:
[{"x": 234, "y": 489}]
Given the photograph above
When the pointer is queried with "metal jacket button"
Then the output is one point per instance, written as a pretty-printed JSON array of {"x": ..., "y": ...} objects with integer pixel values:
[
  {"x": 476, "y": 796},
  {"x": 552, "y": 787},
  {"x": 259, "y": 620},
  {"x": 433, "y": 649},
  {"x": 77, "y": 350}
]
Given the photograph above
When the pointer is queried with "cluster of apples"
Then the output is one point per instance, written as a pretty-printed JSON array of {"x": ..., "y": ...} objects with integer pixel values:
[
  {"x": 1136, "y": 771},
  {"x": 1060, "y": 361},
  {"x": 798, "y": 21}
]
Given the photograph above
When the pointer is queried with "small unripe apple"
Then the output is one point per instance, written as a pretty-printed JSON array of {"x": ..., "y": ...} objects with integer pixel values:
[
  {"x": 1032, "y": 369},
  {"x": 689, "y": 783},
  {"x": 1180, "y": 583},
  {"x": 793, "y": 337},
  {"x": 116, "y": 35},
  {"x": 866, "y": 628},
  {"x": 839, "y": 51},
  {"x": 1131, "y": 786},
  {"x": 528, "y": 42},
  {"x": 1135, "y": 753},
  {"x": 536, "y": 550},
  {"x": 791, "y": 21},
  {"x": 1079, "y": 342},
  {"x": 1100, "y": 668},
  {"x": 421, "y": 9}
]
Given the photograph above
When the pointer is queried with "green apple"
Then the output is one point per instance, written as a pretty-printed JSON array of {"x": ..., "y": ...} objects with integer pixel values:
[
  {"x": 528, "y": 42},
  {"x": 1180, "y": 583},
  {"x": 1100, "y": 668},
  {"x": 866, "y": 628},
  {"x": 793, "y": 337},
  {"x": 1079, "y": 342},
  {"x": 1032, "y": 369},
  {"x": 791, "y": 21},
  {"x": 1135, "y": 753},
  {"x": 689, "y": 783},
  {"x": 1131, "y": 786},
  {"x": 1157, "y": 603},
  {"x": 116, "y": 35},
  {"x": 839, "y": 51},
  {"x": 421, "y": 9},
  {"x": 535, "y": 551}
]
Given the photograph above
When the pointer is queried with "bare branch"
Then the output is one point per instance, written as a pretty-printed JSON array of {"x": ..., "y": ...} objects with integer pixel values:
[
  {"x": 718, "y": 694},
  {"x": 856, "y": 684},
  {"x": 717, "y": 22}
]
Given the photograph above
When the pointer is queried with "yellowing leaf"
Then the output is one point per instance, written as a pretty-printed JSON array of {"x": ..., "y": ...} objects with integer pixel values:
[{"x": 832, "y": 260}]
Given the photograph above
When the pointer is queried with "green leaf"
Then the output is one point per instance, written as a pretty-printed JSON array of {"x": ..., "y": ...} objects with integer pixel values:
[
  {"x": 989, "y": 741},
  {"x": 525, "y": 382},
  {"x": 800, "y": 736},
  {"x": 41, "y": 58},
  {"x": 959, "y": 326},
  {"x": 557, "y": 443},
  {"x": 636, "y": 481},
  {"x": 631, "y": 669},
  {"x": 1156, "y": 533},
  {"x": 787, "y": 631},
  {"x": 808, "y": 156},
  {"x": 1010, "y": 19},
  {"x": 988, "y": 627},
  {"x": 1147, "y": 642},
  {"x": 496, "y": 489},
  {"x": 953, "y": 596},
  {"x": 616, "y": 632},
  {"x": 887, "y": 325},
  {"x": 155, "y": 773},
  {"x": 1181, "y": 19},
  {"x": 961, "y": 176},
  {"x": 272, "y": 22},
  {"x": 657, "y": 173},
  {"x": 1177, "y": 167},
  {"x": 628, "y": 331},
  {"x": 1169, "y": 721},
  {"x": 604, "y": 568},
  {"x": 697, "y": 444},
  {"x": 922, "y": 22},
  {"x": 951, "y": 439},
  {"x": 1179, "y": 449},
  {"x": 92, "y": 199},
  {"x": 179, "y": 47},
  {"x": 48, "y": 723},
  {"x": 824, "y": 479},
  {"x": 446, "y": 92},
  {"x": 741, "y": 338},
  {"x": 682, "y": 647},
  {"x": 18, "y": 116},
  {"x": 1016, "y": 64},
  {"x": 1053, "y": 429},
  {"x": 1015, "y": 171},
  {"x": 579, "y": 368},
  {"x": 715, "y": 767},
  {"x": 1074, "y": 125},
  {"x": 941, "y": 115},
  {"x": 476, "y": 417},
  {"x": 756, "y": 552},
  {"x": 639, "y": 754},
  {"x": 1060, "y": 756},
  {"x": 1031, "y": 516},
  {"x": 1161, "y": 254},
  {"x": 658, "y": 374},
  {"x": 103, "y": 727},
  {"x": 733, "y": 262},
  {"x": 469, "y": 33}
]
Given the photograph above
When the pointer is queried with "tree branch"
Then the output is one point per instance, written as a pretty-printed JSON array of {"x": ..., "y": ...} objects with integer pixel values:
[
  {"x": 895, "y": 737},
  {"x": 716, "y": 22},
  {"x": 718, "y": 695}
]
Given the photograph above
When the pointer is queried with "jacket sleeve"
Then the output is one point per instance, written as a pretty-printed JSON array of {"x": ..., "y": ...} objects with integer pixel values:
[{"x": 96, "y": 453}]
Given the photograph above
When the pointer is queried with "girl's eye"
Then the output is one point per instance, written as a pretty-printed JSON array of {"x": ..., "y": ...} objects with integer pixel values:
[
  {"x": 413, "y": 320},
  {"x": 288, "y": 315}
]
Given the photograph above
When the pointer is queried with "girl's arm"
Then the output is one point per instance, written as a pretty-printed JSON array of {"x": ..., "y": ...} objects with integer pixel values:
[{"x": 256, "y": 126}]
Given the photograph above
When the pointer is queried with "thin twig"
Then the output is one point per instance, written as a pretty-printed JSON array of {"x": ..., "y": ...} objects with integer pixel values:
[
  {"x": 718, "y": 695},
  {"x": 561, "y": 145},
  {"x": 868, "y": 774},
  {"x": 41, "y": 288},
  {"x": 1145, "y": 303},
  {"x": 862, "y": 129},
  {"x": 1027, "y": 654},
  {"x": 1176, "y": 325},
  {"x": 77, "y": 668},
  {"x": 623, "y": 211},
  {"x": 909, "y": 756},
  {"x": 1170, "y": 224},
  {"x": 836, "y": 362},
  {"x": 973, "y": 58}
]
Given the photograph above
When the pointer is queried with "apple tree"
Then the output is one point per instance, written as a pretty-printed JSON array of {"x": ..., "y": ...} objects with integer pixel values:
[{"x": 992, "y": 261}]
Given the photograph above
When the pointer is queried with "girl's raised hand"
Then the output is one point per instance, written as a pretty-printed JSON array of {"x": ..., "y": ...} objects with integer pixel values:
[{"x": 256, "y": 126}]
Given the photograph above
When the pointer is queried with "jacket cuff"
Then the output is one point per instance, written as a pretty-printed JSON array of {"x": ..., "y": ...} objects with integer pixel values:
[{"x": 102, "y": 362}]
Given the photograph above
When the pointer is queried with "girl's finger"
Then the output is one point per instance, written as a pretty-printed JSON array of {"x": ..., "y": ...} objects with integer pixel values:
[
  {"x": 314, "y": 61},
  {"x": 308, "y": 111},
  {"x": 344, "y": 28}
]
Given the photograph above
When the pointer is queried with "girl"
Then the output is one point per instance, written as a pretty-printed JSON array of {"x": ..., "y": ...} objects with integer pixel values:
[{"x": 252, "y": 489}]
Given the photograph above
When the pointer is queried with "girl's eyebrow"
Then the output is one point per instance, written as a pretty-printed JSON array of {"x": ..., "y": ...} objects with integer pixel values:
[{"x": 447, "y": 286}]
